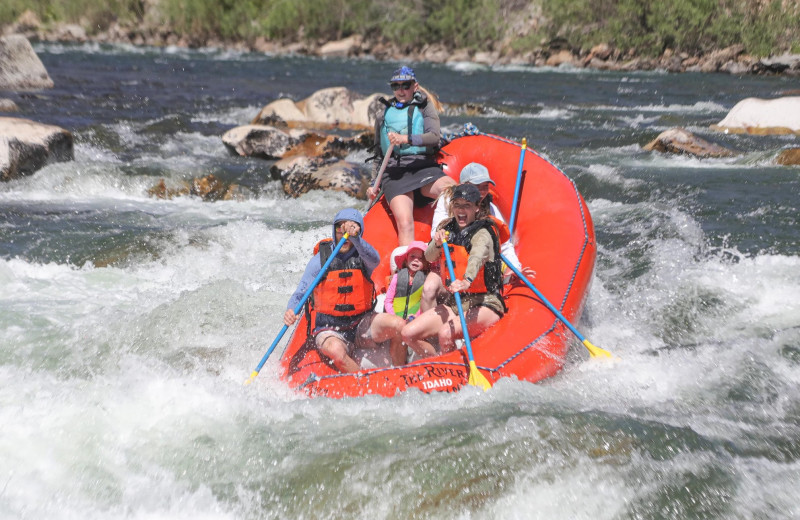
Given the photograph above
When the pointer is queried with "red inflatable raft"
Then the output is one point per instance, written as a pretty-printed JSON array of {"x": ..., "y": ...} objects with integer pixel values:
[{"x": 554, "y": 237}]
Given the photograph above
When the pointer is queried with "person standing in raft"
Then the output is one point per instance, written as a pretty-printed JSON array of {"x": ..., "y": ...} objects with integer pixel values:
[
  {"x": 475, "y": 250},
  {"x": 412, "y": 177},
  {"x": 344, "y": 298},
  {"x": 404, "y": 294}
]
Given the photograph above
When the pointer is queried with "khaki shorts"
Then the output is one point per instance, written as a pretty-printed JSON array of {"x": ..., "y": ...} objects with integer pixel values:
[{"x": 468, "y": 301}]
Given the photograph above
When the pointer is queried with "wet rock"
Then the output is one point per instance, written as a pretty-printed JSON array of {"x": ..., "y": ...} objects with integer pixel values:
[
  {"x": 348, "y": 177},
  {"x": 335, "y": 107},
  {"x": 789, "y": 157},
  {"x": 26, "y": 146},
  {"x": 209, "y": 188},
  {"x": 681, "y": 141},
  {"x": 763, "y": 116},
  {"x": 266, "y": 142},
  {"x": 21, "y": 68},
  {"x": 6, "y": 105}
]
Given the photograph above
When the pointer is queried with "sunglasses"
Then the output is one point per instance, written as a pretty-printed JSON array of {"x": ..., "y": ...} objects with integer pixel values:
[{"x": 404, "y": 86}]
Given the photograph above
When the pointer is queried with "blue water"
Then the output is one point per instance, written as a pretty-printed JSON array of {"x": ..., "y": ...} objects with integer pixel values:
[{"x": 128, "y": 323}]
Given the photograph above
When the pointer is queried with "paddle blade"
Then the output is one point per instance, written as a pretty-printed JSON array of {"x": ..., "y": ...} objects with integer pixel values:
[
  {"x": 476, "y": 378},
  {"x": 596, "y": 351},
  {"x": 251, "y": 378}
]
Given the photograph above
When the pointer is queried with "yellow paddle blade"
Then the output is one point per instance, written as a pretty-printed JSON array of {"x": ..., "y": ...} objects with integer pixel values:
[
  {"x": 596, "y": 351},
  {"x": 476, "y": 378},
  {"x": 251, "y": 378}
]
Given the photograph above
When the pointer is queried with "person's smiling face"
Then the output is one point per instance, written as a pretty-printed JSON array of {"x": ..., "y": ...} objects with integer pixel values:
[
  {"x": 464, "y": 212},
  {"x": 404, "y": 90}
]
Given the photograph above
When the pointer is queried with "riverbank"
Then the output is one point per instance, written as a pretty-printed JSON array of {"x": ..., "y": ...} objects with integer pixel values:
[{"x": 732, "y": 59}]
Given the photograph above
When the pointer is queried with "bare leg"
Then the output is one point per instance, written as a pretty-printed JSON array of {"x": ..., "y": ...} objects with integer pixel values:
[
  {"x": 430, "y": 291},
  {"x": 336, "y": 349},
  {"x": 478, "y": 320},
  {"x": 435, "y": 189},
  {"x": 425, "y": 325},
  {"x": 402, "y": 207},
  {"x": 388, "y": 326}
]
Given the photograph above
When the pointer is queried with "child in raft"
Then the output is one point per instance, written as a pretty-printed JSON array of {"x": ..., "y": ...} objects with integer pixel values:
[{"x": 404, "y": 294}]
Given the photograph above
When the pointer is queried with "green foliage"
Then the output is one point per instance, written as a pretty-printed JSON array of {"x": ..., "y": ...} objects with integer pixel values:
[
  {"x": 693, "y": 26},
  {"x": 763, "y": 27}
]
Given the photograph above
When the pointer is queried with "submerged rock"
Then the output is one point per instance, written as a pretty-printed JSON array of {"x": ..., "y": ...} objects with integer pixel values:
[
  {"x": 763, "y": 116},
  {"x": 27, "y": 146},
  {"x": 681, "y": 141}
]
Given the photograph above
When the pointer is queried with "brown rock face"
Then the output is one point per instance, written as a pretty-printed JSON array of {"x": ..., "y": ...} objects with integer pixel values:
[{"x": 681, "y": 141}]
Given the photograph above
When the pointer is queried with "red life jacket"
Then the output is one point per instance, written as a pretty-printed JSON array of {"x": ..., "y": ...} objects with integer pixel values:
[{"x": 346, "y": 289}]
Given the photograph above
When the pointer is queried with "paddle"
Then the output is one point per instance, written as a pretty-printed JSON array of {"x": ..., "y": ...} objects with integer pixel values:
[
  {"x": 593, "y": 350},
  {"x": 475, "y": 376},
  {"x": 298, "y": 308},
  {"x": 377, "y": 182},
  {"x": 517, "y": 187}
]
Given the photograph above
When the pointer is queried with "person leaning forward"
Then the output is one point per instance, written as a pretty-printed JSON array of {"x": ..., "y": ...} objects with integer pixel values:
[
  {"x": 409, "y": 123},
  {"x": 345, "y": 297}
]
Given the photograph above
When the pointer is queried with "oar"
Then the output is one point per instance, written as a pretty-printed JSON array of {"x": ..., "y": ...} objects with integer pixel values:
[
  {"x": 517, "y": 187},
  {"x": 298, "y": 308},
  {"x": 593, "y": 350},
  {"x": 377, "y": 182},
  {"x": 475, "y": 376}
]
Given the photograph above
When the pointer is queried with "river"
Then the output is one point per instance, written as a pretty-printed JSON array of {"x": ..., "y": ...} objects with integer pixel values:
[{"x": 128, "y": 323}]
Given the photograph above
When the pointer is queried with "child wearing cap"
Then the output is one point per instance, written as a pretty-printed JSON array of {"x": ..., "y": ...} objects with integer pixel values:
[{"x": 404, "y": 294}]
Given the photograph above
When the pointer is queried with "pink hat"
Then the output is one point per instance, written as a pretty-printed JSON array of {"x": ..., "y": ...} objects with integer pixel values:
[
  {"x": 400, "y": 258},
  {"x": 399, "y": 252}
]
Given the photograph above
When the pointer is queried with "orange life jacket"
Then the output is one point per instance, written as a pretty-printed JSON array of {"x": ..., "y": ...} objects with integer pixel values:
[{"x": 346, "y": 289}]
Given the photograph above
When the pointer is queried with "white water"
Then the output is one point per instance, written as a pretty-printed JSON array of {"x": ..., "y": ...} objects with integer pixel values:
[{"x": 121, "y": 389}]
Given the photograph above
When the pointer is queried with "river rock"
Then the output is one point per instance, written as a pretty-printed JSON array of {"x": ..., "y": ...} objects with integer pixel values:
[
  {"x": 6, "y": 105},
  {"x": 20, "y": 67},
  {"x": 789, "y": 157},
  {"x": 763, "y": 116},
  {"x": 264, "y": 141},
  {"x": 26, "y": 146},
  {"x": 342, "y": 48},
  {"x": 335, "y": 107},
  {"x": 348, "y": 177},
  {"x": 681, "y": 141}
]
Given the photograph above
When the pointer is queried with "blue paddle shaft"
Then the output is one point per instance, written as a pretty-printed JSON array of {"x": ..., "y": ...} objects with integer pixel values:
[
  {"x": 544, "y": 300},
  {"x": 299, "y": 306},
  {"x": 458, "y": 302},
  {"x": 517, "y": 187}
]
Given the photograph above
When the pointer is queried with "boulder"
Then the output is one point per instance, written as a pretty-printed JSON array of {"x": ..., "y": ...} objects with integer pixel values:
[
  {"x": 26, "y": 146},
  {"x": 262, "y": 141},
  {"x": 681, "y": 141},
  {"x": 335, "y": 107},
  {"x": 342, "y": 48},
  {"x": 21, "y": 68},
  {"x": 6, "y": 105},
  {"x": 348, "y": 177},
  {"x": 763, "y": 117},
  {"x": 789, "y": 157},
  {"x": 562, "y": 57}
]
